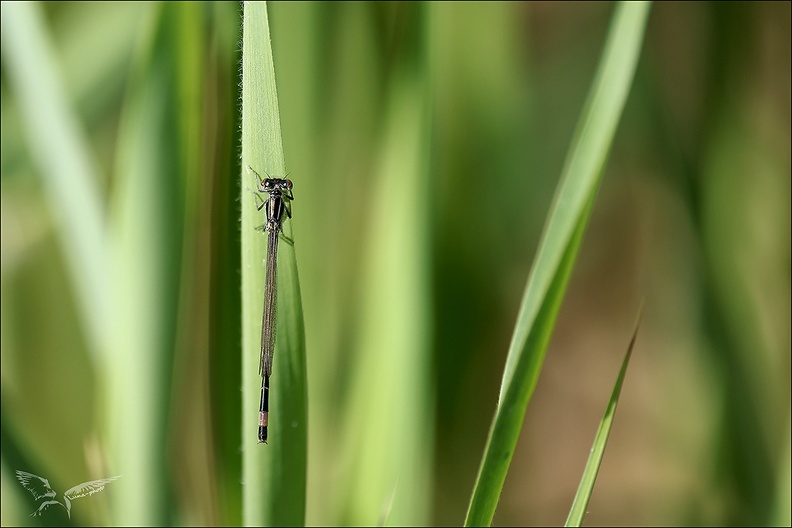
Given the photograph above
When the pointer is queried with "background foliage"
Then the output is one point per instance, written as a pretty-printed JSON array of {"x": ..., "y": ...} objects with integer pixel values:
[{"x": 129, "y": 114}]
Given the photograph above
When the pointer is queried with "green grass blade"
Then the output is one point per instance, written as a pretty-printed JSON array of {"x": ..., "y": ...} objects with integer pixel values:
[
  {"x": 225, "y": 334},
  {"x": 579, "y": 505},
  {"x": 558, "y": 248},
  {"x": 155, "y": 175},
  {"x": 62, "y": 155},
  {"x": 782, "y": 512},
  {"x": 274, "y": 475},
  {"x": 389, "y": 418}
]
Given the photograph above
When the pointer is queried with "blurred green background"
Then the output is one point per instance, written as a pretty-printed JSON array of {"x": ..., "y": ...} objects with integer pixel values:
[{"x": 120, "y": 224}]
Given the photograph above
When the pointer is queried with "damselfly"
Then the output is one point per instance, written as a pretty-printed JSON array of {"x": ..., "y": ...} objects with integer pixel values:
[{"x": 276, "y": 205}]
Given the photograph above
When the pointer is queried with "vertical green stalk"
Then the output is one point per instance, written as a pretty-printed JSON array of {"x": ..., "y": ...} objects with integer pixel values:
[
  {"x": 274, "y": 474},
  {"x": 156, "y": 168},
  {"x": 389, "y": 422},
  {"x": 388, "y": 429}
]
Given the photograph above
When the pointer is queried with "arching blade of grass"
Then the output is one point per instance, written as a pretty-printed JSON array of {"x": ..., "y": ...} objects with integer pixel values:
[
  {"x": 274, "y": 475},
  {"x": 558, "y": 248},
  {"x": 579, "y": 505}
]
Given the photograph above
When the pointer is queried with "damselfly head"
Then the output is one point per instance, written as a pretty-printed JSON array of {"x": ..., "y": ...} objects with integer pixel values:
[{"x": 271, "y": 185}]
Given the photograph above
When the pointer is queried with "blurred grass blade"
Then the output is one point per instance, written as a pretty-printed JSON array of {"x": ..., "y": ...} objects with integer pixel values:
[
  {"x": 579, "y": 505},
  {"x": 225, "y": 330},
  {"x": 782, "y": 513},
  {"x": 154, "y": 167},
  {"x": 63, "y": 157},
  {"x": 274, "y": 475},
  {"x": 389, "y": 418},
  {"x": 559, "y": 245}
]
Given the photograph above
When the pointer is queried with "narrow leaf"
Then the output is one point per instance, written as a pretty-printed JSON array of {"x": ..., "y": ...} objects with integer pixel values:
[
  {"x": 559, "y": 245},
  {"x": 274, "y": 474},
  {"x": 579, "y": 505},
  {"x": 153, "y": 167}
]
